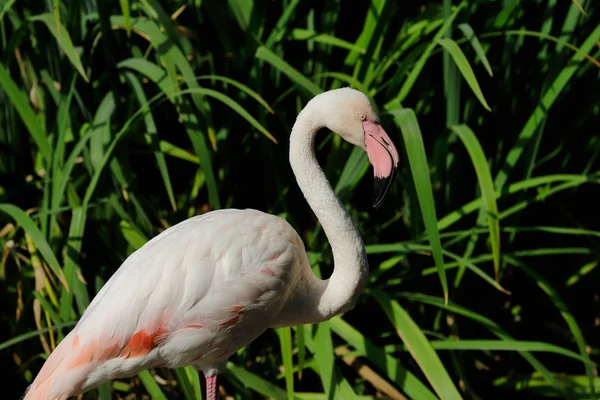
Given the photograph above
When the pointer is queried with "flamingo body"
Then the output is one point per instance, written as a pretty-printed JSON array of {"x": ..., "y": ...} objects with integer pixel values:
[
  {"x": 190, "y": 296},
  {"x": 210, "y": 285}
]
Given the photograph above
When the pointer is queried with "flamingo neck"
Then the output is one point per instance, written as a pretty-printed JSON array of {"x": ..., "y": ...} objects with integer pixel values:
[{"x": 340, "y": 292}]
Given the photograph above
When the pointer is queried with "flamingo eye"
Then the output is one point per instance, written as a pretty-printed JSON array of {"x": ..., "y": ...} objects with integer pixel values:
[{"x": 362, "y": 117}]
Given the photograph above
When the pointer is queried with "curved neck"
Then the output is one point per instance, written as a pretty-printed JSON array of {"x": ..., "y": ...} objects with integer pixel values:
[{"x": 339, "y": 293}]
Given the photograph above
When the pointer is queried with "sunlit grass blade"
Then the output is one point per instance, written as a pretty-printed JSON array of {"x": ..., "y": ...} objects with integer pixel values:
[
  {"x": 285, "y": 340},
  {"x": 413, "y": 141},
  {"x": 321, "y": 396},
  {"x": 256, "y": 383},
  {"x": 472, "y": 38},
  {"x": 277, "y": 62},
  {"x": 199, "y": 129},
  {"x": 465, "y": 68},
  {"x": 418, "y": 67},
  {"x": 48, "y": 308},
  {"x": 64, "y": 127},
  {"x": 278, "y": 31},
  {"x": 350, "y": 80},
  {"x": 407, "y": 247},
  {"x": 157, "y": 75},
  {"x": 235, "y": 106},
  {"x": 72, "y": 268},
  {"x": 125, "y": 9},
  {"x": 569, "y": 25},
  {"x": 64, "y": 40},
  {"x": 187, "y": 386},
  {"x": 321, "y": 345},
  {"x": 577, "y": 385},
  {"x": 301, "y": 346},
  {"x": 391, "y": 367},
  {"x": 34, "y": 334},
  {"x": 38, "y": 238},
  {"x": 6, "y": 7},
  {"x": 540, "y": 196},
  {"x": 108, "y": 154},
  {"x": 506, "y": 345},
  {"x": 418, "y": 346},
  {"x": 194, "y": 381},
  {"x": 489, "y": 324},
  {"x": 153, "y": 133},
  {"x": 486, "y": 185},
  {"x": 100, "y": 128},
  {"x": 174, "y": 151},
  {"x": 31, "y": 122},
  {"x": 354, "y": 169},
  {"x": 548, "y": 99},
  {"x": 305, "y": 34},
  {"x": 104, "y": 391},
  {"x": 240, "y": 86},
  {"x": 583, "y": 271},
  {"x": 369, "y": 26},
  {"x": 556, "y": 299},
  {"x": 558, "y": 230},
  {"x": 132, "y": 236},
  {"x": 151, "y": 386},
  {"x": 367, "y": 373},
  {"x": 572, "y": 179},
  {"x": 323, "y": 352}
]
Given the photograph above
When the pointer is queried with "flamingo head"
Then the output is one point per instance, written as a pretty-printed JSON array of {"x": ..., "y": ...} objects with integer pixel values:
[{"x": 349, "y": 113}]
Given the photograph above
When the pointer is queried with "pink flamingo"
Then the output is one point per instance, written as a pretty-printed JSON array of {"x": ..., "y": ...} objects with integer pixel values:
[{"x": 210, "y": 285}]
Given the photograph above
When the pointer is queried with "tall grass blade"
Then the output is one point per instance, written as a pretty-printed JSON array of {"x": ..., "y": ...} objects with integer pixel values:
[
  {"x": 37, "y": 237},
  {"x": 413, "y": 141},
  {"x": 125, "y": 9},
  {"x": 153, "y": 133},
  {"x": 64, "y": 40},
  {"x": 416, "y": 71},
  {"x": 465, "y": 68},
  {"x": 418, "y": 346},
  {"x": 469, "y": 34},
  {"x": 391, "y": 367},
  {"x": 255, "y": 382},
  {"x": 572, "y": 179},
  {"x": 262, "y": 53},
  {"x": 31, "y": 122},
  {"x": 367, "y": 34},
  {"x": 486, "y": 185},
  {"x": 507, "y": 345},
  {"x": 490, "y": 325},
  {"x": 241, "y": 86},
  {"x": 305, "y": 34},
  {"x": 323, "y": 351},
  {"x": 285, "y": 341},
  {"x": 186, "y": 385},
  {"x": 556, "y": 299},
  {"x": 58, "y": 176},
  {"x": 548, "y": 99},
  {"x": 32, "y": 335},
  {"x": 151, "y": 386}
]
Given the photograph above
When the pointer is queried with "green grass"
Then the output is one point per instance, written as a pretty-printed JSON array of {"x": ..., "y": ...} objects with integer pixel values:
[{"x": 120, "y": 119}]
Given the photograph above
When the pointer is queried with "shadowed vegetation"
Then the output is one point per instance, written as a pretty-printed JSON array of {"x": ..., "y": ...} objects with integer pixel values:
[{"x": 121, "y": 118}]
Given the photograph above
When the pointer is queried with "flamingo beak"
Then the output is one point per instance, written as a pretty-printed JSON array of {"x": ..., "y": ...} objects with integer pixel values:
[{"x": 384, "y": 158}]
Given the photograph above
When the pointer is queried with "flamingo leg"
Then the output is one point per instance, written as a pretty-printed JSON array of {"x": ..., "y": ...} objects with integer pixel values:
[{"x": 211, "y": 387}]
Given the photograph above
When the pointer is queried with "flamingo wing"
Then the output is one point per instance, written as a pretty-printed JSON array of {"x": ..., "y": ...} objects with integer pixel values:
[{"x": 184, "y": 297}]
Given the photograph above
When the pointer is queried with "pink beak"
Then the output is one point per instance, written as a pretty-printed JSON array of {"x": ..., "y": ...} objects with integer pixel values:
[{"x": 383, "y": 156}]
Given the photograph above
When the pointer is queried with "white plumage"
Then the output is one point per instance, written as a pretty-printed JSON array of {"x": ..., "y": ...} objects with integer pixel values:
[{"x": 204, "y": 288}]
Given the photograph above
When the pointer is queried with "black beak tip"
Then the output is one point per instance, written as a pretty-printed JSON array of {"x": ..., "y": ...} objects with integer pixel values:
[{"x": 380, "y": 189}]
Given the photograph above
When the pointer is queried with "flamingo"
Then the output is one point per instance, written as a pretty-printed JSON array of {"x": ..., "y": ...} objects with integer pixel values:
[{"x": 208, "y": 286}]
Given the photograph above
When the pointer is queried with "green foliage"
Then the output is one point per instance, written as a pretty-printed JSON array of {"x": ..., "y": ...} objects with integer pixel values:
[{"x": 121, "y": 118}]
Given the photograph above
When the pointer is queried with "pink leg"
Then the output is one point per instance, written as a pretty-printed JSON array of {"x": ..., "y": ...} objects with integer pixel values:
[{"x": 211, "y": 387}]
